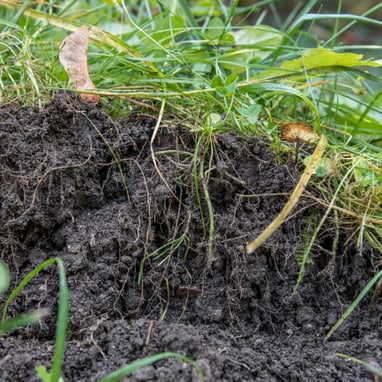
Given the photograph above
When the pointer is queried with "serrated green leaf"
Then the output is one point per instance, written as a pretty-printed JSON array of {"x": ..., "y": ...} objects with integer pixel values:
[
  {"x": 321, "y": 57},
  {"x": 315, "y": 59}
]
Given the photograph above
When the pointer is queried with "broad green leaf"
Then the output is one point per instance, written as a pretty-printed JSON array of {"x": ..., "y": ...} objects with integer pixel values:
[
  {"x": 324, "y": 167},
  {"x": 258, "y": 36},
  {"x": 225, "y": 87},
  {"x": 217, "y": 81},
  {"x": 227, "y": 90},
  {"x": 250, "y": 113},
  {"x": 316, "y": 58},
  {"x": 215, "y": 28},
  {"x": 227, "y": 39},
  {"x": 358, "y": 117},
  {"x": 321, "y": 57},
  {"x": 166, "y": 28},
  {"x": 231, "y": 78},
  {"x": 252, "y": 43}
]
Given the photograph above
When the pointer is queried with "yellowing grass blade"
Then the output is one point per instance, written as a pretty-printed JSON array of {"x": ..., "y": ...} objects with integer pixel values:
[
  {"x": 296, "y": 194},
  {"x": 14, "y": 4}
]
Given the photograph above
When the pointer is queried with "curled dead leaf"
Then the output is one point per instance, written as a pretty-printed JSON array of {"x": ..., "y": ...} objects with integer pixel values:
[
  {"x": 292, "y": 132},
  {"x": 73, "y": 57}
]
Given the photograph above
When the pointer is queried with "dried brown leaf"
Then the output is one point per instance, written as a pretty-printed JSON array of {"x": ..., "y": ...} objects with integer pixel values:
[{"x": 73, "y": 57}]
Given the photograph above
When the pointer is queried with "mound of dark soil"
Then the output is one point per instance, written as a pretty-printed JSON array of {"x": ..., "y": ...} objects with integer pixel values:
[{"x": 148, "y": 271}]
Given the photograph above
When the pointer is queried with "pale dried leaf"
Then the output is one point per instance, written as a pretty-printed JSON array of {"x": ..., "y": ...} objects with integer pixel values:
[{"x": 73, "y": 57}]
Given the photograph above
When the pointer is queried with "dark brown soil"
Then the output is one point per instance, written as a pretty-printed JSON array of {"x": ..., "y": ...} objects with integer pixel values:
[{"x": 63, "y": 195}]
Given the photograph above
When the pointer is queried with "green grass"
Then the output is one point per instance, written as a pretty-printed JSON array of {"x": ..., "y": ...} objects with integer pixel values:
[{"x": 208, "y": 60}]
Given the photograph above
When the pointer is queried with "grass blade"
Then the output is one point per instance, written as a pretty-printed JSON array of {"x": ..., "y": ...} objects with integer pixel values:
[
  {"x": 354, "y": 304},
  {"x": 23, "y": 283},
  {"x": 62, "y": 322},
  {"x": 376, "y": 370},
  {"x": 22, "y": 320},
  {"x": 127, "y": 370}
]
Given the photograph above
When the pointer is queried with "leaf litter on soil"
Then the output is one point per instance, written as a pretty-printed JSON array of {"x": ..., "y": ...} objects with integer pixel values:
[{"x": 62, "y": 195}]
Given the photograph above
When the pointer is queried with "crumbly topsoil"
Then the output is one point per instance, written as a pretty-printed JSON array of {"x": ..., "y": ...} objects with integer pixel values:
[{"x": 77, "y": 185}]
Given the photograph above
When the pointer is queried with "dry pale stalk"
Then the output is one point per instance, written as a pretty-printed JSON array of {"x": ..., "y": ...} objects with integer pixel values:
[
  {"x": 73, "y": 57},
  {"x": 294, "y": 198}
]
